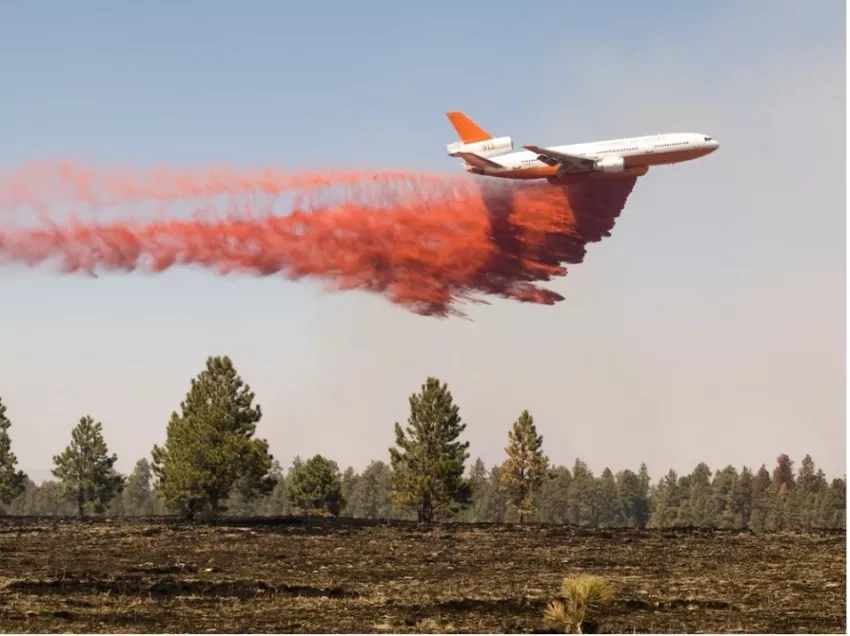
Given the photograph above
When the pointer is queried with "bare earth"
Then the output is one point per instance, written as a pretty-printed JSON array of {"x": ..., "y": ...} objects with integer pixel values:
[{"x": 291, "y": 576}]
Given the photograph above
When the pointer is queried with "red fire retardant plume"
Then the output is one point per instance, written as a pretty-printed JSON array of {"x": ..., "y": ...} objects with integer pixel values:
[{"x": 423, "y": 241}]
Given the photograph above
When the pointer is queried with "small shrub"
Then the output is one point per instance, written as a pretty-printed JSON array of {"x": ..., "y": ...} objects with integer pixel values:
[
  {"x": 318, "y": 512},
  {"x": 578, "y": 595}
]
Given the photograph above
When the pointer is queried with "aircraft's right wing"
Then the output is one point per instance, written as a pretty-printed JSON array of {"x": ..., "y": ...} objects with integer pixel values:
[{"x": 555, "y": 158}]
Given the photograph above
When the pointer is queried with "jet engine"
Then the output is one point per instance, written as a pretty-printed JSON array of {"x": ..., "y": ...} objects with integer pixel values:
[
  {"x": 611, "y": 164},
  {"x": 488, "y": 148}
]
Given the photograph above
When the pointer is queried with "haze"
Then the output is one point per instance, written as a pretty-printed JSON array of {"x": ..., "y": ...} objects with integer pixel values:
[{"x": 709, "y": 327}]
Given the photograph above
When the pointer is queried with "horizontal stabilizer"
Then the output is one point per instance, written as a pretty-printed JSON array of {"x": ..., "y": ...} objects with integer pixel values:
[{"x": 474, "y": 160}]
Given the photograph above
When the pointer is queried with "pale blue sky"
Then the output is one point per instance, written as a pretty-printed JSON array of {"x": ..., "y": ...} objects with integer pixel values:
[{"x": 710, "y": 326}]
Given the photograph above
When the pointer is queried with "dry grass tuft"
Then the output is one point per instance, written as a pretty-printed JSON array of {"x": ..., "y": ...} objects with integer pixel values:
[{"x": 578, "y": 595}]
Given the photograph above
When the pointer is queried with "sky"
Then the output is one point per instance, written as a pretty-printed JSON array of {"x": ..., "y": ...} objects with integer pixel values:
[{"x": 709, "y": 327}]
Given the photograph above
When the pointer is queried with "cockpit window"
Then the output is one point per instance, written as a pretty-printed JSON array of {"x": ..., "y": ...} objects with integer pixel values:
[{"x": 709, "y": 139}]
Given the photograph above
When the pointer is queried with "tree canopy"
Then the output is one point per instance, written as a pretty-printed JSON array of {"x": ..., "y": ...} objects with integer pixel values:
[{"x": 316, "y": 487}]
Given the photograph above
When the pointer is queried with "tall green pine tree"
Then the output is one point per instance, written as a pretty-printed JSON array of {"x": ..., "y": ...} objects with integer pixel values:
[
  {"x": 210, "y": 447},
  {"x": 428, "y": 460},
  {"x": 86, "y": 469}
]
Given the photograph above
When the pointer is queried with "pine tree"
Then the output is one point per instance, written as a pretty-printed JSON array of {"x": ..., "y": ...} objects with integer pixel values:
[
  {"x": 783, "y": 474},
  {"x": 685, "y": 517},
  {"x": 316, "y": 487},
  {"x": 782, "y": 500},
  {"x": 211, "y": 448},
  {"x": 778, "y": 517},
  {"x": 583, "y": 498},
  {"x": 743, "y": 504},
  {"x": 810, "y": 484},
  {"x": 22, "y": 504},
  {"x": 761, "y": 501},
  {"x": 276, "y": 503},
  {"x": 493, "y": 503},
  {"x": 428, "y": 461},
  {"x": 701, "y": 499},
  {"x": 666, "y": 501},
  {"x": 12, "y": 482},
  {"x": 724, "y": 498},
  {"x": 554, "y": 499},
  {"x": 350, "y": 478},
  {"x": 48, "y": 500},
  {"x": 86, "y": 469},
  {"x": 832, "y": 510},
  {"x": 525, "y": 468},
  {"x": 138, "y": 494},
  {"x": 478, "y": 484},
  {"x": 371, "y": 492},
  {"x": 611, "y": 509},
  {"x": 634, "y": 506},
  {"x": 807, "y": 477},
  {"x": 644, "y": 501}
]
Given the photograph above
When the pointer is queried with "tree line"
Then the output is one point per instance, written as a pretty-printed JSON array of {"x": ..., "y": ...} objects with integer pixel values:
[{"x": 212, "y": 464}]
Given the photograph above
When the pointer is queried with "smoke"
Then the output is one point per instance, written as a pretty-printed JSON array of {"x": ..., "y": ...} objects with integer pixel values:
[{"x": 426, "y": 242}]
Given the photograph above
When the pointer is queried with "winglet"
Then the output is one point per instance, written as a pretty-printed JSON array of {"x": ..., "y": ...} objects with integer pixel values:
[{"x": 468, "y": 131}]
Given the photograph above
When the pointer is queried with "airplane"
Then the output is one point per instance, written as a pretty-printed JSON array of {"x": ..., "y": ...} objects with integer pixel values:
[{"x": 491, "y": 156}]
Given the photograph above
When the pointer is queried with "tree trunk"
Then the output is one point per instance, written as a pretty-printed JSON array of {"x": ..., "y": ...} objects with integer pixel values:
[
  {"x": 426, "y": 514},
  {"x": 80, "y": 502}
]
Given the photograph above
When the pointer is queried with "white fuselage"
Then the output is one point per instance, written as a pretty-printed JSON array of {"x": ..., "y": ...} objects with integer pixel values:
[
  {"x": 633, "y": 155},
  {"x": 658, "y": 147}
]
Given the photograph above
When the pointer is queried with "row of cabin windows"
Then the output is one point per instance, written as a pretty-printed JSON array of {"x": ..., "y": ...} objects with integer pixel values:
[
  {"x": 675, "y": 143},
  {"x": 618, "y": 150}
]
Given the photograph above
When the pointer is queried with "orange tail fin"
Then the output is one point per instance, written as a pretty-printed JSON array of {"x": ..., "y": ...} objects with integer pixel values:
[{"x": 468, "y": 131}]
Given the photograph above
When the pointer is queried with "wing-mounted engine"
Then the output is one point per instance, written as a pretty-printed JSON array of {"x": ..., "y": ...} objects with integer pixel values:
[
  {"x": 610, "y": 164},
  {"x": 489, "y": 148}
]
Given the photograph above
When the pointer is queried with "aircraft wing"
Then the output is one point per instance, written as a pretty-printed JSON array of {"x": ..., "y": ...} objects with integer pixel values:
[
  {"x": 555, "y": 158},
  {"x": 474, "y": 160}
]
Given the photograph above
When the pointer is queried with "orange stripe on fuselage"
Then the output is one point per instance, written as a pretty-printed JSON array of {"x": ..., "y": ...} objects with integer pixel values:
[{"x": 536, "y": 172}]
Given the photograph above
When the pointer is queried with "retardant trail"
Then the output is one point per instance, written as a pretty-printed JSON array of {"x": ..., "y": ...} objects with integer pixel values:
[{"x": 423, "y": 241}]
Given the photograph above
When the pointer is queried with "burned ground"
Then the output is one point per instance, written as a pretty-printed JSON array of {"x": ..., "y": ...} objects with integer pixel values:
[{"x": 288, "y": 576}]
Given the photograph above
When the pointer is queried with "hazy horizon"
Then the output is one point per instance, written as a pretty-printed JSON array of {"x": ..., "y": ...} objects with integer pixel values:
[{"x": 710, "y": 326}]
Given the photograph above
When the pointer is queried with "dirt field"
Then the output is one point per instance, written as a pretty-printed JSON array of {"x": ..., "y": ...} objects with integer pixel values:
[{"x": 124, "y": 576}]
